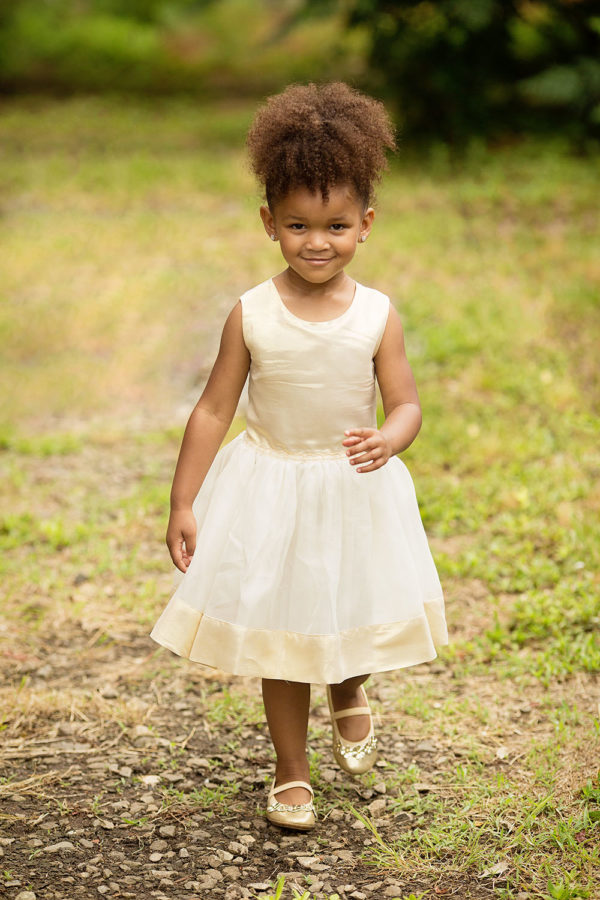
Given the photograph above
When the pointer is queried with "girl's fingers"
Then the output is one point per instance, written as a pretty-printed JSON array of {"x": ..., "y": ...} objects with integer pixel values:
[
  {"x": 362, "y": 450},
  {"x": 375, "y": 464}
]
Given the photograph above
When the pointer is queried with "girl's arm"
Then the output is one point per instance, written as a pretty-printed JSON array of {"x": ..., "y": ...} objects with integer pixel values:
[
  {"x": 370, "y": 448},
  {"x": 205, "y": 430}
]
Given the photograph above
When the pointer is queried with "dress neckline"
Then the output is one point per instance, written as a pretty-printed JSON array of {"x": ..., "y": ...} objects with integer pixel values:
[{"x": 326, "y": 323}]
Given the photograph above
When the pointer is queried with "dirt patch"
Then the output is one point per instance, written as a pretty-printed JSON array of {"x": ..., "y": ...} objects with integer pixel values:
[
  {"x": 127, "y": 772},
  {"x": 134, "y": 786}
]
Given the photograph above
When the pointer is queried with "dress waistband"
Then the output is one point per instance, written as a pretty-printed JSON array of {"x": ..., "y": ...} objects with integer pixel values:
[{"x": 295, "y": 454}]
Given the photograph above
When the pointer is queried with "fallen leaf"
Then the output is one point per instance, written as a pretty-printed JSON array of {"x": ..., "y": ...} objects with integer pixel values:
[{"x": 498, "y": 868}]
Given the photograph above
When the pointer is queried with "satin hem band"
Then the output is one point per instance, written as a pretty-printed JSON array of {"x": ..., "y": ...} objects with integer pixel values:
[{"x": 317, "y": 659}]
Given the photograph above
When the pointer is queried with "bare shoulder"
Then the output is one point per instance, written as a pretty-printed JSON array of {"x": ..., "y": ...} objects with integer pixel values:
[
  {"x": 393, "y": 335},
  {"x": 233, "y": 332}
]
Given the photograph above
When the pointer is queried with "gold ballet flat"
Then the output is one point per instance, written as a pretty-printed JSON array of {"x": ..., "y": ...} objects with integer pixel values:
[
  {"x": 354, "y": 757},
  {"x": 300, "y": 817}
]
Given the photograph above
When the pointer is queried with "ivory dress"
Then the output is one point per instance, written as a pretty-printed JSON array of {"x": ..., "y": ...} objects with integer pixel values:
[{"x": 304, "y": 569}]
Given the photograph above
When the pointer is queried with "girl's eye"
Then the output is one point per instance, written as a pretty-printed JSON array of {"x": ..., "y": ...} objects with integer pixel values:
[
  {"x": 338, "y": 227},
  {"x": 297, "y": 226}
]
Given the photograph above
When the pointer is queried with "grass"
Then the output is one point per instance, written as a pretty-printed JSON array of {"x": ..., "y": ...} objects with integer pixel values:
[{"x": 120, "y": 224}]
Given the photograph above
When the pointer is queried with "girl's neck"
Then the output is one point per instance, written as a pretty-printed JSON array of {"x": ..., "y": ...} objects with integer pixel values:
[{"x": 289, "y": 282}]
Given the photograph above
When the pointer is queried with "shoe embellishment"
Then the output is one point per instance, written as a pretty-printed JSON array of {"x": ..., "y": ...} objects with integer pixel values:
[
  {"x": 350, "y": 751},
  {"x": 298, "y": 816},
  {"x": 276, "y": 806},
  {"x": 354, "y": 757}
]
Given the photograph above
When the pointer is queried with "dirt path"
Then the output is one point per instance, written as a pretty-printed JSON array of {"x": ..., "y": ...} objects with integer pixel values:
[
  {"x": 126, "y": 772},
  {"x": 130, "y": 790}
]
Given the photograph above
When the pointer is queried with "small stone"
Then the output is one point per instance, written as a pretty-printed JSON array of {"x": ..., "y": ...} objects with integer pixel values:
[
  {"x": 214, "y": 861},
  {"x": 35, "y": 842},
  {"x": 198, "y": 762},
  {"x": 141, "y": 731},
  {"x": 183, "y": 853},
  {"x": 246, "y": 839},
  {"x": 172, "y": 777},
  {"x": 192, "y": 886},
  {"x": 155, "y": 857},
  {"x": 372, "y": 886},
  {"x": 214, "y": 875},
  {"x": 307, "y": 862},
  {"x": 25, "y": 895},
  {"x": 358, "y": 895},
  {"x": 377, "y": 807},
  {"x": 393, "y": 890},
  {"x": 224, "y": 855},
  {"x": 158, "y": 845},
  {"x": 167, "y": 830},
  {"x": 61, "y": 847},
  {"x": 270, "y": 847},
  {"x": 231, "y": 871},
  {"x": 345, "y": 855},
  {"x": 425, "y": 747},
  {"x": 109, "y": 692},
  {"x": 150, "y": 780},
  {"x": 237, "y": 849},
  {"x": 336, "y": 815},
  {"x": 380, "y": 788},
  {"x": 103, "y": 889},
  {"x": 125, "y": 771}
]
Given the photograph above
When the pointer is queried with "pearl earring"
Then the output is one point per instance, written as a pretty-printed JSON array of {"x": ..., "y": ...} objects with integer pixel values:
[
  {"x": 273, "y": 238},
  {"x": 362, "y": 238}
]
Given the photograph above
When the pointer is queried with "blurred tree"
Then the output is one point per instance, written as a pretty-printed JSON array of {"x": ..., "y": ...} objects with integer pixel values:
[
  {"x": 454, "y": 68},
  {"x": 197, "y": 47}
]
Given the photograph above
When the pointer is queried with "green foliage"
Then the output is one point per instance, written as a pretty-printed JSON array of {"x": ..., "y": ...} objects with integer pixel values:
[
  {"x": 455, "y": 68},
  {"x": 195, "y": 47}
]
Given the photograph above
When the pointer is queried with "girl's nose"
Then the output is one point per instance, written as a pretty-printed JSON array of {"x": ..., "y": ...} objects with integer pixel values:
[{"x": 317, "y": 240}]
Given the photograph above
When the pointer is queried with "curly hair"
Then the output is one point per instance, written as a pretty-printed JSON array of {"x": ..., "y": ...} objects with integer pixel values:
[{"x": 318, "y": 137}]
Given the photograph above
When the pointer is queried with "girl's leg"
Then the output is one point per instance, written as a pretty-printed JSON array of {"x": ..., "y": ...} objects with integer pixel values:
[
  {"x": 286, "y": 705},
  {"x": 345, "y": 695}
]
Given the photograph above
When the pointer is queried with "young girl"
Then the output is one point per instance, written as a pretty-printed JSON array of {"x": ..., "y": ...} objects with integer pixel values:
[{"x": 304, "y": 555}]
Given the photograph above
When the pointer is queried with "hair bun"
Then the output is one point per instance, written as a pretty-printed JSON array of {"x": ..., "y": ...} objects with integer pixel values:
[{"x": 317, "y": 136}]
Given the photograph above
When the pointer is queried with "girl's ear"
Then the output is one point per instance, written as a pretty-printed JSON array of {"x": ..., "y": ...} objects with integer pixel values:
[
  {"x": 268, "y": 221},
  {"x": 366, "y": 224}
]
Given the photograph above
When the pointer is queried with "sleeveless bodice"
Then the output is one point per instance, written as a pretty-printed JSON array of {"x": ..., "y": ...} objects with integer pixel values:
[{"x": 309, "y": 381}]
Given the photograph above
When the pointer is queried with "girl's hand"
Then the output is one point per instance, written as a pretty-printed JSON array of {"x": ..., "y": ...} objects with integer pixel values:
[
  {"x": 367, "y": 448},
  {"x": 181, "y": 537}
]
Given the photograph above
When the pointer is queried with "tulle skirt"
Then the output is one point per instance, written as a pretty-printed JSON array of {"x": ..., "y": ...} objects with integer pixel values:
[{"x": 305, "y": 570}]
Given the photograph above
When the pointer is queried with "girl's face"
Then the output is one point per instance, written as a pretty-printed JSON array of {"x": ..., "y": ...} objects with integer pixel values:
[{"x": 318, "y": 239}]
